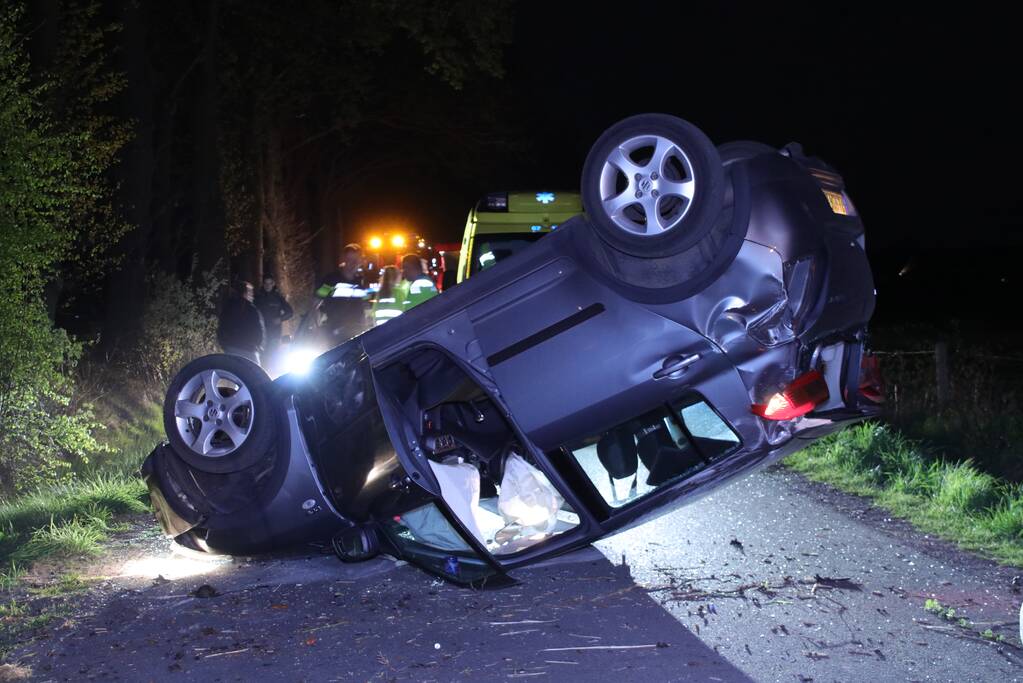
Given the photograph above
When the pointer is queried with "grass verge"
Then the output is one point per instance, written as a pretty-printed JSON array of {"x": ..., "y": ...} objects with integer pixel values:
[
  {"x": 953, "y": 500},
  {"x": 65, "y": 521}
]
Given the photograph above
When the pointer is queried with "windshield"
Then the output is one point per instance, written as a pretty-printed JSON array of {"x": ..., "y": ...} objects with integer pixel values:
[{"x": 490, "y": 249}]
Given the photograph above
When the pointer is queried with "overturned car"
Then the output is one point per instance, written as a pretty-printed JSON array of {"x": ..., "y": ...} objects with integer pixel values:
[{"x": 705, "y": 317}]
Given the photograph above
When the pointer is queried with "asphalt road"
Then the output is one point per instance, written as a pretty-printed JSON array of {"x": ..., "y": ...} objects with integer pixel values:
[{"x": 772, "y": 579}]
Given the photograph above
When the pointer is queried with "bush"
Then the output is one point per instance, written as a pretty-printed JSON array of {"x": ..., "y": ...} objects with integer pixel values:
[
  {"x": 41, "y": 187},
  {"x": 179, "y": 323}
]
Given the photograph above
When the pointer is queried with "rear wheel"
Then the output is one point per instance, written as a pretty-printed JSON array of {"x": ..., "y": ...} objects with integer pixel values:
[
  {"x": 218, "y": 414},
  {"x": 653, "y": 185}
]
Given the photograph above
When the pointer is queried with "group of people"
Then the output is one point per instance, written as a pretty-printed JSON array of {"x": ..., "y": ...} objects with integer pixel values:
[{"x": 251, "y": 322}]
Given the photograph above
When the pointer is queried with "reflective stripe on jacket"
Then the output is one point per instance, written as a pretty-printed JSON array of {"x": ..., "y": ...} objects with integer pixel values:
[
  {"x": 416, "y": 292},
  {"x": 385, "y": 309}
]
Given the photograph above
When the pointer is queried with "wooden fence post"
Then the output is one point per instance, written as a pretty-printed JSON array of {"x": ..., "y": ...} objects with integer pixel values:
[{"x": 941, "y": 372}]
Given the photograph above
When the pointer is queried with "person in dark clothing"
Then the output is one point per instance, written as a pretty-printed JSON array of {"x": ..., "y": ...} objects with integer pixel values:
[
  {"x": 343, "y": 298},
  {"x": 275, "y": 309},
  {"x": 241, "y": 331}
]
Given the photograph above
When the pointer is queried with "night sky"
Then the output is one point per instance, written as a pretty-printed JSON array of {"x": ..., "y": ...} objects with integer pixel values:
[{"x": 918, "y": 111}]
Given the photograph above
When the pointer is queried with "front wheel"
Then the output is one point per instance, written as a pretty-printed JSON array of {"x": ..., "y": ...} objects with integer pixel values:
[
  {"x": 653, "y": 185},
  {"x": 218, "y": 414}
]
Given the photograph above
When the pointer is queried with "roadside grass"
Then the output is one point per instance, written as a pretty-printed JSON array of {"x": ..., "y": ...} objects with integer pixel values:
[
  {"x": 73, "y": 518},
  {"x": 67, "y": 520},
  {"x": 953, "y": 500},
  {"x": 133, "y": 427}
]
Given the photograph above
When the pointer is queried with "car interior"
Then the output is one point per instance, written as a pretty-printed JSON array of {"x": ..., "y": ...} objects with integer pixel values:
[
  {"x": 657, "y": 448},
  {"x": 488, "y": 480}
]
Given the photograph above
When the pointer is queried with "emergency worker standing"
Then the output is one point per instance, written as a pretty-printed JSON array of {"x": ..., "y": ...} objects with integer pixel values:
[
  {"x": 343, "y": 299},
  {"x": 240, "y": 330},
  {"x": 387, "y": 304},
  {"x": 416, "y": 287}
]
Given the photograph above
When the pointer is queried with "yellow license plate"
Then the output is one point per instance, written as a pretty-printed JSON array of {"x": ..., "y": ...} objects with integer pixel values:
[{"x": 837, "y": 202}]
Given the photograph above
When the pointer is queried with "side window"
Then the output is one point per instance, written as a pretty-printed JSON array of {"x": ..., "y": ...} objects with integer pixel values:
[
  {"x": 425, "y": 536},
  {"x": 712, "y": 436},
  {"x": 655, "y": 449}
]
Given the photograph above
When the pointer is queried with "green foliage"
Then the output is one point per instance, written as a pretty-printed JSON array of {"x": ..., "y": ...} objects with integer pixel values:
[
  {"x": 116, "y": 494},
  {"x": 67, "y": 583},
  {"x": 43, "y": 183},
  {"x": 964, "y": 489},
  {"x": 179, "y": 323},
  {"x": 12, "y": 609},
  {"x": 953, "y": 499},
  {"x": 458, "y": 38},
  {"x": 134, "y": 426},
  {"x": 80, "y": 85},
  {"x": 77, "y": 537}
]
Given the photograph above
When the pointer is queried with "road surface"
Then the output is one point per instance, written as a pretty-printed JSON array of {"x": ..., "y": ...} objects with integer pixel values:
[{"x": 771, "y": 579}]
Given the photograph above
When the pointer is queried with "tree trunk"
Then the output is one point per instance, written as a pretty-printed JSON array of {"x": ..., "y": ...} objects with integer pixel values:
[
  {"x": 210, "y": 242},
  {"x": 125, "y": 291}
]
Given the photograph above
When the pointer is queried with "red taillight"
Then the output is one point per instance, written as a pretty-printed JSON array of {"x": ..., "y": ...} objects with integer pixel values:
[
  {"x": 804, "y": 394},
  {"x": 871, "y": 383}
]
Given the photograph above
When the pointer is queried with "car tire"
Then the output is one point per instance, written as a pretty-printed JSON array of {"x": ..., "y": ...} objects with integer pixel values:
[
  {"x": 740, "y": 150},
  {"x": 228, "y": 431},
  {"x": 652, "y": 185}
]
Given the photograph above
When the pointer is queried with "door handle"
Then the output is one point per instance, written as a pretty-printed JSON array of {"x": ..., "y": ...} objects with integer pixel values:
[{"x": 675, "y": 363}]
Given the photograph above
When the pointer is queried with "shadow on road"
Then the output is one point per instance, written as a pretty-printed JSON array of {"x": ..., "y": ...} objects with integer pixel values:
[{"x": 312, "y": 617}]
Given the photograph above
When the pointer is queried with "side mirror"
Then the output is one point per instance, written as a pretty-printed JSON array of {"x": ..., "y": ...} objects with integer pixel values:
[{"x": 356, "y": 543}]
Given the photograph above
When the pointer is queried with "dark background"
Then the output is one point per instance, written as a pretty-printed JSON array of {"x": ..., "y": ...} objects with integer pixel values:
[
  {"x": 266, "y": 136},
  {"x": 919, "y": 111}
]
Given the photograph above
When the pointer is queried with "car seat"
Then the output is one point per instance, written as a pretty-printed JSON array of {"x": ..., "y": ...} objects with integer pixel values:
[
  {"x": 661, "y": 455},
  {"x": 618, "y": 454}
]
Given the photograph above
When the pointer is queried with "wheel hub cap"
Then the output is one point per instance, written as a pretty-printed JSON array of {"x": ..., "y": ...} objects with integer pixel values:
[
  {"x": 647, "y": 185},
  {"x": 213, "y": 413}
]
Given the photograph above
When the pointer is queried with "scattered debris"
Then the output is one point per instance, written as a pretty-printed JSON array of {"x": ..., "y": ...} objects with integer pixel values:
[
  {"x": 736, "y": 543},
  {"x": 205, "y": 591},
  {"x": 521, "y": 622},
  {"x": 842, "y": 584},
  {"x": 14, "y": 672},
  {"x": 653, "y": 646},
  {"x": 221, "y": 654},
  {"x": 816, "y": 656}
]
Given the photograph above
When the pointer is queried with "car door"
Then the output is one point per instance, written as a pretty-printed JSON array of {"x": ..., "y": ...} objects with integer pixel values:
[{"x": 570, "y": 356}]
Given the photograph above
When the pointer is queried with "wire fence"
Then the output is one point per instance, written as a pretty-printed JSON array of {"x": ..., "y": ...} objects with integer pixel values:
[{"x": 967, "y": 401}]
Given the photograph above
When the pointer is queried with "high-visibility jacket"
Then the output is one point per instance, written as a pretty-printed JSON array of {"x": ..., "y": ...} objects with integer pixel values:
[
  {"x": 416, "y": 292},
  {"x": 344, "y": 305},
  {"x": 386, "y": 308}
]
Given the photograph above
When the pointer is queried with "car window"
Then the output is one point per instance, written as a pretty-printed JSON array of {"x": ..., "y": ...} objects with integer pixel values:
[
  {"x": 712, "y": 435},
  {"x": 491, "y": 249},
  {"x": 656, "y": 449},
  {"x": 425, "y": 536}
]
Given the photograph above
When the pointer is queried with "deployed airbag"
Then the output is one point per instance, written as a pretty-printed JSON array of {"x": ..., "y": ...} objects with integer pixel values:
[{"x": 527, "y": 497}]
